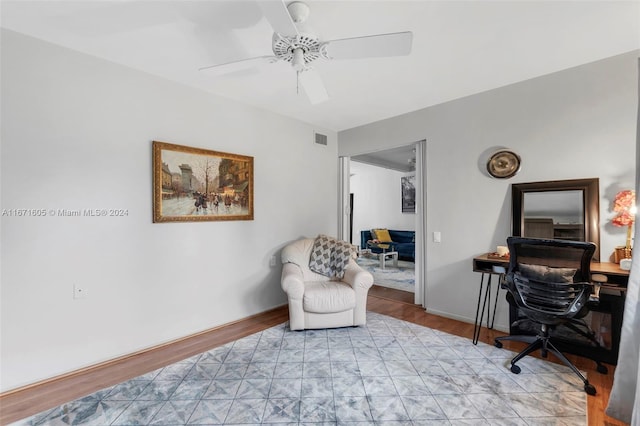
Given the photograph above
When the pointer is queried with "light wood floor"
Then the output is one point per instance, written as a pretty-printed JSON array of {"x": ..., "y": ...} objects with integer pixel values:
[{"x": 39, "y": 397}]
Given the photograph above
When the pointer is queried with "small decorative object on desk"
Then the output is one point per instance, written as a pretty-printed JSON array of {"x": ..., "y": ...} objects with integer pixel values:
[
  {"x": 496, "y": 255},
  {"x": 502, "y": 252},
  {"x": 625, "y": 264},
  {"x": 625, "y": 207}
]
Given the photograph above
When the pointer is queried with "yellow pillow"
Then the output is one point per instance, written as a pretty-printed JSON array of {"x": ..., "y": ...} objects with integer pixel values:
[{"x": 382, "y": 235}]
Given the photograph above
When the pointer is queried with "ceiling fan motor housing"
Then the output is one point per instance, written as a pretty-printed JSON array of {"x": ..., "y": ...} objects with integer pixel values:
[{"x": 288, "y": 48}]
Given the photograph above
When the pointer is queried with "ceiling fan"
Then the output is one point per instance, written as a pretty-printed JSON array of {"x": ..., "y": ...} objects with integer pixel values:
[{"x": 302, "y": 49}]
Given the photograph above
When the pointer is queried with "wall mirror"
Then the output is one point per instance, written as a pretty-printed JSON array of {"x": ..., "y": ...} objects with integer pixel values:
[{"x": 561, "y": 209}]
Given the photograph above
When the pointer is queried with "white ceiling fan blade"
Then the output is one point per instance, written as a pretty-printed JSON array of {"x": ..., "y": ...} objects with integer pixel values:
[
  {"x": 313, "y": 86},
  {"x": 278, "y": 16},
  {"x": 394, "y": 44},
  {"x": 235, "y": 66}
]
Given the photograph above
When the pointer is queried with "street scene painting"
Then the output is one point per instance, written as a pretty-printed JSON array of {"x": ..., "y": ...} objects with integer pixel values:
[
  {"x": 193, "y": 184},
  {"x": 408, "y": 194}
]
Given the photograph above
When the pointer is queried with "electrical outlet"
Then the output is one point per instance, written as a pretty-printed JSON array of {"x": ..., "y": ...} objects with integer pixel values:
[
  {"x": 437, "y": 237},
  {"x": 79, "y": 291},
  {"x": 272, "y": 261}
]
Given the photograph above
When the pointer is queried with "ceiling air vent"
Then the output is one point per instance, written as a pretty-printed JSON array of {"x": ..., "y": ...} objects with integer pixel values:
[{"x": 321, "y": 139}]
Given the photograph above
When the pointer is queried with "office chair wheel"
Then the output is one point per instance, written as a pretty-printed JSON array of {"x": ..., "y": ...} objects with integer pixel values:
[
  {"x": 602, "y": 369},
  {"x": 497, "y": 344},
  {"x": 516, "y": 370},
  {"x": 589, "y": 389}
]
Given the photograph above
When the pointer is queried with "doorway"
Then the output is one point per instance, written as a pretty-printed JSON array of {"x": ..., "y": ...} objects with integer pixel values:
[{"x": 376, "y": 201}]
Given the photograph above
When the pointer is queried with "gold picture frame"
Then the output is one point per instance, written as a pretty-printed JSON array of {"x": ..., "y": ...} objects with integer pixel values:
[{"x": 194, "y": 184}]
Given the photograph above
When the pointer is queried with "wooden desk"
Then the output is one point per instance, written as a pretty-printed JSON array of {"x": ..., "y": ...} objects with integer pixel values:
[
  {"x": 617, "y": 278},
  {"x": 611, "y": 304}
]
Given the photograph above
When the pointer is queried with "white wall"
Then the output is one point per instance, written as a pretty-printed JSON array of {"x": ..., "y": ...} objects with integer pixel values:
[
  {"x": 377, "y": 199},
  {"x": 578, "y": 123},
  {"x": 76, "y": 133}
]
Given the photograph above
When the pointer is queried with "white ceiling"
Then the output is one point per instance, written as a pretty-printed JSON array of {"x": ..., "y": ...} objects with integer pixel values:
[
  {"x": 459, "y": 47},
  {"x": 401, "y": 159}
]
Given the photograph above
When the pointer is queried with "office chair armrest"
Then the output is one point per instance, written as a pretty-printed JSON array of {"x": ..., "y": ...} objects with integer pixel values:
[{"x": 584, "y": 296}]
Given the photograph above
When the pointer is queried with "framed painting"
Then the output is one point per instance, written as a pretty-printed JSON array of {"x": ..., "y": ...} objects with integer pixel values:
[
  {"x": 194, "y": 184},
  {"x": 408, "y": 194}
]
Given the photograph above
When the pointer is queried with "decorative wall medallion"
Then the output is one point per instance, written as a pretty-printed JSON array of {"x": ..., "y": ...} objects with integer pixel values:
[{"x": 503, "y": 164}]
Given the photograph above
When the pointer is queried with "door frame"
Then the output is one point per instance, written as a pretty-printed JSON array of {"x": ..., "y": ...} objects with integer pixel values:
[{"x": 345, "y": 219}]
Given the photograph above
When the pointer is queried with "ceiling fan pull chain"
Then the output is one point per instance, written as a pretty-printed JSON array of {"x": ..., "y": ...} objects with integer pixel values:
[{"x": 297, "y": 82}]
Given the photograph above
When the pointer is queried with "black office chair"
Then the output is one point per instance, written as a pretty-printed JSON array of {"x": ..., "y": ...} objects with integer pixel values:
[{"x": 548, "y": 282}]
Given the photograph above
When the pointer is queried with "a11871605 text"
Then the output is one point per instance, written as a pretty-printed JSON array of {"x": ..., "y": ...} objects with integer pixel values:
[{"x": 88, "y": 212}]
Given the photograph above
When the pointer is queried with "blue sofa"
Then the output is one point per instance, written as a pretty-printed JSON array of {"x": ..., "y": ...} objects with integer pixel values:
[{"x": 403, "y": 243}]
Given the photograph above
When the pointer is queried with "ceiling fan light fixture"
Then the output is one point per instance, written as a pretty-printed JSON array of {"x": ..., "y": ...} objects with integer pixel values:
[{"x": 298, "y": 59}]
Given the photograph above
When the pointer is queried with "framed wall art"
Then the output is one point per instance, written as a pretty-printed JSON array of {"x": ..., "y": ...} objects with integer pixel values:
[
  {"x": 408, "y": 194},
  {"x": 194, "y": 184}
]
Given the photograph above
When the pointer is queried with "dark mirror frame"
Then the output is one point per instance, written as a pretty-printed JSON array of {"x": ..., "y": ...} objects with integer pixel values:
[{"x": 591, "y": 204}]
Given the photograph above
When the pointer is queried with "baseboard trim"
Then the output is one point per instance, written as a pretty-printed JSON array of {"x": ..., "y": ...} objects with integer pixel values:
[
  {"x": 499, "y": 327},
  {"x": 16, "y": 402}
]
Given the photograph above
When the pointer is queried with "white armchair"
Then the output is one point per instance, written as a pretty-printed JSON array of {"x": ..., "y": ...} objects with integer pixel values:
[{"x": 317, "y": 301}]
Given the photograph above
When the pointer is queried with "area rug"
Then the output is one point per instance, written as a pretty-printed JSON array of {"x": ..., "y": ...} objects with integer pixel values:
[
  {"x": 389, "y": 371},
  {"x": 401, "y": 277}
]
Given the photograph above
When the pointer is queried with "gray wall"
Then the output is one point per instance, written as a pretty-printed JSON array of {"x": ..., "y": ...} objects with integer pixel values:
[
  {"x": 76, "y": 134},
  {"x": 578, "y": 123}
]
